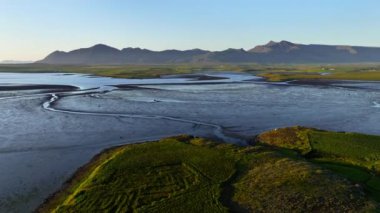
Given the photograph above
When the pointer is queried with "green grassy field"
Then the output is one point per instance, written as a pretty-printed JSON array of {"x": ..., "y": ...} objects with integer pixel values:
[
  {"x": 362, "y": 76},
  {"x": 351, "y": 155},
  {"x": 186, "y": 174},
  {"x": 122, "y": 71},
  {"x": 269, "y": 72},
  {"x": 364, "y": 72},
  {"x": 167, "y": 176}
]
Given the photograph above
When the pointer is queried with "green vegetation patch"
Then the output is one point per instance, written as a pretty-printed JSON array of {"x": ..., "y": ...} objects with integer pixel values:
[
  {"x": 271, "y": 72},
  {"x": 121, "y": 71},
  {"x": 359, "y": 149},
  {"x": 186, "y": 174},
  {"x": 295, "y": 138},
  {"x": 351, "y": 155},
  {"x": 279, "y": 184},
  {"x": 171, "y": 175},
  {"x": 322, "y": 75}
]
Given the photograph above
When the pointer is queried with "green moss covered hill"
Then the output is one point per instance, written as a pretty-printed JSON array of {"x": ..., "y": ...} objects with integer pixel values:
[{"x": 286, "y": 170}]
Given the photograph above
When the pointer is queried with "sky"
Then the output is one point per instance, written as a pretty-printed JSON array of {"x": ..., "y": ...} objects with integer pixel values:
[{"x": 29, "y": 30}]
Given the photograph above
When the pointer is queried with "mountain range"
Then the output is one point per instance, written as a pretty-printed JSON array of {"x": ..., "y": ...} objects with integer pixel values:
[{"x": 283, "y": 52}]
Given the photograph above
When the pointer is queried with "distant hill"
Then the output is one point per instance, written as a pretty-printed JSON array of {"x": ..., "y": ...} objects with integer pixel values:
[{"x": 273, "y": 52}]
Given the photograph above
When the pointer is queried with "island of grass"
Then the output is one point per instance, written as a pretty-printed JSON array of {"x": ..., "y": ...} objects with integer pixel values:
[
  {"x": 318, "y": 76},
  {"x": 286, "y": 170}
]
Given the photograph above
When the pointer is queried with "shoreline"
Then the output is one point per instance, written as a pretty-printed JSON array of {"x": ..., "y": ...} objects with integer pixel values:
[
  {"x": 78, "y": 174},
  {"x": 192, "y": 79}
]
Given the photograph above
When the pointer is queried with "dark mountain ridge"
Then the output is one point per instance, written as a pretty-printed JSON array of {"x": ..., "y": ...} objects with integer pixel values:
[{"x": 273, "y": 52}]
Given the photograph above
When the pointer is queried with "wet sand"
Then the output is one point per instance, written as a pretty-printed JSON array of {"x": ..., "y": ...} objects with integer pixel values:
[{"x": 37, "y": 87}]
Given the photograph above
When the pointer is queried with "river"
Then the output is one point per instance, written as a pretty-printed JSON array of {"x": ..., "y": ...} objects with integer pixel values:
[{"x": 52, "y": 123}]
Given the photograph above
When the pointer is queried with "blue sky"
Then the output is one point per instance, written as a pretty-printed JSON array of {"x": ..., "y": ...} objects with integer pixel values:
[{"x": 29, "y": 30}]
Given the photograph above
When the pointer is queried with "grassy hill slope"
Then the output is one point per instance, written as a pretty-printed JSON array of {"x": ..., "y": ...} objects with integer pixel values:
[
  {"x": 186, "y": 174},
  {"x": 351, "y": 155}
]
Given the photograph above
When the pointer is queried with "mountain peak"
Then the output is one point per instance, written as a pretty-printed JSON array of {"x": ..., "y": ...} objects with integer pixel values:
[
  {"x": 272, "y": 46},
  {"x": 131, "y": 49},
  {"x": 283, "y": 42},
  {"x": 102, "y": 47},
  {"x": 58, "y": 52}
]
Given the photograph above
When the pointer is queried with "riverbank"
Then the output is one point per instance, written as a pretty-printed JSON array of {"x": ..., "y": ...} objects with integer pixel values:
[
  {"x": 360, "y": 75},
  {"x": 187, "y": 174},
  {"x": 365, "y": 72}
]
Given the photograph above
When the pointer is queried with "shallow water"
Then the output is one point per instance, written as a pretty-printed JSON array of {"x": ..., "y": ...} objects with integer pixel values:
[
  {"x": 44, "y": 139},
  {"x": 84, "y": 81}
]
